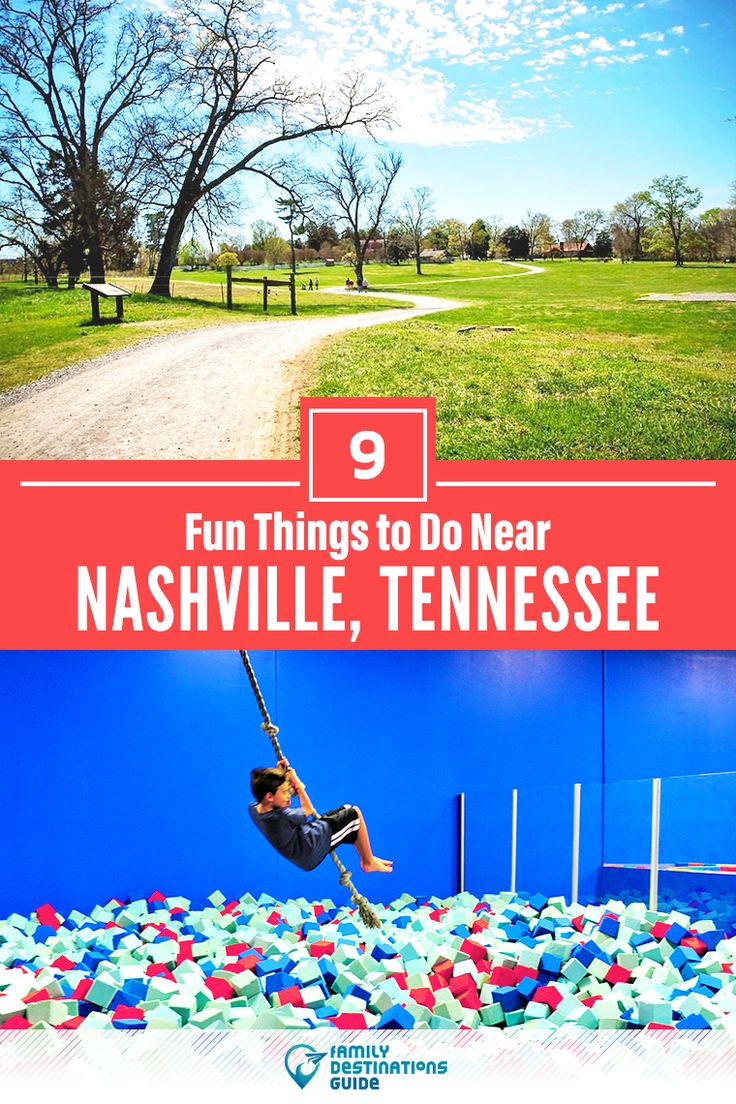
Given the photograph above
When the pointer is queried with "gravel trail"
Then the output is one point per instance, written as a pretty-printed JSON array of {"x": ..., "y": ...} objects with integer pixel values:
[{"x": 224, "y": 392}]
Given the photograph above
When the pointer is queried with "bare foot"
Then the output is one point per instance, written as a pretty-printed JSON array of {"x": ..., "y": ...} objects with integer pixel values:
[{"x": 377, "y": 866}]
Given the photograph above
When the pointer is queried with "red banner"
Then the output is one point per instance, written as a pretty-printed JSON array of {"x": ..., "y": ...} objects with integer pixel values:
[{"x": 368, "y": 541}]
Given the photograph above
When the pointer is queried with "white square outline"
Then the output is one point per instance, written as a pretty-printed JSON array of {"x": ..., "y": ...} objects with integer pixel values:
[{"x": 422, "y": 411}]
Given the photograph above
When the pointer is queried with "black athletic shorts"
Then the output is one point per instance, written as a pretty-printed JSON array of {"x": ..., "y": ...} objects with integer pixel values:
[{"x": 344, "y": 824}]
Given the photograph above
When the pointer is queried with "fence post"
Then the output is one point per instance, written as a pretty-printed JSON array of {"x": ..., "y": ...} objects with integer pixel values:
[
  {"x": 461, "y": 843},
  {"x": 229, "y": 271},
  {"x": 514, "y": 816},
  {"x": 654, "y": 860},
  {"x": 292, "y": 292},
  {"x": 265, "y": 294},
  {"x": 575, "y": 841}
]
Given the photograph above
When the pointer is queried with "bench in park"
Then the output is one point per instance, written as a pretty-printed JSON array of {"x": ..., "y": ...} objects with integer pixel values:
[{"x": 106, "y": 291}]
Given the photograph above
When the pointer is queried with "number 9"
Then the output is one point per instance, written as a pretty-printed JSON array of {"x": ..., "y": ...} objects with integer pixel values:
[{"x": 368, "y": 448}]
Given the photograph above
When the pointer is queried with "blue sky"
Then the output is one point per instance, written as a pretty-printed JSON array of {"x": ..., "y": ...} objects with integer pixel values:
[{"x": 505, "y": 105}]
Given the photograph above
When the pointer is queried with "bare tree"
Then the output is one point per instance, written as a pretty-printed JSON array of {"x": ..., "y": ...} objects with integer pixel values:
[
  {"x": 629, "y": 221},
  {"x": 581, "y": 227},
  {"x": 671, "y": 200},
  {"x": 537, "y": 228},
  {"x": 73, "y": 92},
  {"x": 414, "y": 220},
  {"x": 358, "y": 194},
  {"x": 230, "y": 112},
  {"x": 494, "y": 226}
]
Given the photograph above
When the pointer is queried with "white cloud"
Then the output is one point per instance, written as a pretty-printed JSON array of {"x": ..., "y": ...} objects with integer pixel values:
[
  {"x": 652, "y": 36},
  {"x": 600, "y": 43},
  {"x": 678, "y": 30},
  {"x": 627, "y": 42},
  {"x": 663, "y": 53}
]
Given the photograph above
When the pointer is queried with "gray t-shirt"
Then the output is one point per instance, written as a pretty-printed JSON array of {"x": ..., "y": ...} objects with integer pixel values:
[{"x": 303, "y": 842}]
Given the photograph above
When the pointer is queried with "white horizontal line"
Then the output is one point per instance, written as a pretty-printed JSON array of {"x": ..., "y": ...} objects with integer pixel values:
[
  {"x": 576, "y": 483},
  {"x": 157, "y": 483}
]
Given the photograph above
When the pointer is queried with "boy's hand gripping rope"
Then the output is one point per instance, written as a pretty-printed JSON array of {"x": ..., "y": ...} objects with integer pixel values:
[{"x": 367, "y": 914}]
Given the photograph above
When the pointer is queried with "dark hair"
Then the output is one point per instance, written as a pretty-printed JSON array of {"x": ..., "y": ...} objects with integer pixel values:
[{"x": 266, "y": 780}]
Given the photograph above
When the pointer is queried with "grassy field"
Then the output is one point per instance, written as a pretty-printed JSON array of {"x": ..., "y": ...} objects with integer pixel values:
[
  {"x": 42, "y": 330},
  {"x": 588, "y": 372}
]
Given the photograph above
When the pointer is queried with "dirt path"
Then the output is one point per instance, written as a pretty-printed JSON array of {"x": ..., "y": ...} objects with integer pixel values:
[
  {"x": 225, "y": 392},
  {"x": 526, "y": 270}
]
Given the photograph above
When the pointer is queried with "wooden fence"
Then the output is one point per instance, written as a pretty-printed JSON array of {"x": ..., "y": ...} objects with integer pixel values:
[{"x": 266, "y": 283}]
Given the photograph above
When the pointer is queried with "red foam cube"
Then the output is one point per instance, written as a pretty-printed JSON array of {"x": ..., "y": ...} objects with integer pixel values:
[
  {"x": 694, "y": 944},
  {"x": 470, "y": 999},
  {"x": 292, "y": 995},
  {"x": 185, "y": 952},
  {"x": 157, "y": 969},
  {"x": 349, "y": 1020},
  {"x": 70, "y": 1025},
  {"x": 234, "y": 949},
  {"x": 437, "y": 914},
  {"x": 503, "y": 975},
  {"x": 549, "y": 995},
  {"x": 63, "y": 963},
  {"x": 617, "y": 973},
  {"x": 423, "y": 996},
  {"x": 219, "y": 987},
  {"x": 83, "y": 988},
  {"x": 321, "y": 947},
  {"x": 443, "y": 968},
  {"x": 463, "y": 983},
  {"x": 39, "y": 995},
  {"x": 660, "y": 929},
  {"x": 47, "y": 915},
  {"x": 128, "y": 1012},
  {"x": 15, "y": 1023},
  {"x": 476, "y": 951}
]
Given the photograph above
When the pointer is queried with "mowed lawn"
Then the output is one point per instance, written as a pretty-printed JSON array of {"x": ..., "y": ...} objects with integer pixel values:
[
  {"x": 588, "y": 372},
  {"x": 43, "y": 329}
]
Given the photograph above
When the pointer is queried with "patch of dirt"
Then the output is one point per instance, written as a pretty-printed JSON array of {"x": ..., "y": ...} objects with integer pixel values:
[{"x": 690, "y": 297}]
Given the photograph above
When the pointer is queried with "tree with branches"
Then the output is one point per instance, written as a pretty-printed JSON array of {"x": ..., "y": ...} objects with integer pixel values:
[
  {"x": 358, "y": 194},
  {"x": 582, "y": 227},
  {"x": 414, "y": 220},
  {"x": 671, "y": 200},
  {"x": 536, "y": 225},
  {"x": 76, "y": 86},
  {"x": 629, "y": 221},
  {"x": 230, "y": 112}
]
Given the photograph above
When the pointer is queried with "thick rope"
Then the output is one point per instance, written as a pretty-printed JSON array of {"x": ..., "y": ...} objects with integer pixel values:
[{"x": 367, "y": 913}]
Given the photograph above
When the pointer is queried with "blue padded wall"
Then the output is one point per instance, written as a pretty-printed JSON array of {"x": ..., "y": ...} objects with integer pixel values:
[{"x": 670, "y": 714}]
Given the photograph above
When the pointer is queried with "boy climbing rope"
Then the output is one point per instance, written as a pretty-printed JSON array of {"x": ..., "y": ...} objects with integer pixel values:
[{"x": 303, "y": 836}]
